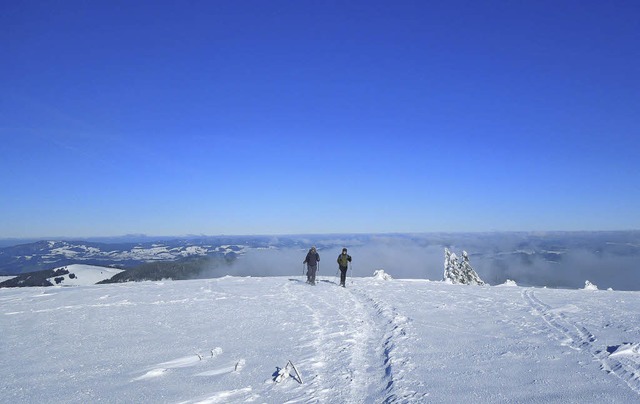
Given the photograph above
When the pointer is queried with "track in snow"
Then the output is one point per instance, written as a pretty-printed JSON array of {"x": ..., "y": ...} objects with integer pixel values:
[
  {"x": 340, "y": 343},
  {"x": 622, "y": 361},
  {"x": 392, "y": 327},
  {"x": 351, "y": 336}
]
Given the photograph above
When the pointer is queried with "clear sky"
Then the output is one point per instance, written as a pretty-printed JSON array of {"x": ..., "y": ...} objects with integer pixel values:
[{"x": 282, "y": 117}]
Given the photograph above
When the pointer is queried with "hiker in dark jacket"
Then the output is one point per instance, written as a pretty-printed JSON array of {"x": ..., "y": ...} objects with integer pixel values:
[
  {"x": 312, "y": 260},
  {"x": 343, "y": 263}
]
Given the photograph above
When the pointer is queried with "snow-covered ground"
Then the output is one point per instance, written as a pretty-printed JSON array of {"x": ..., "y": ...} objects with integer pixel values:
[
  {"x": 226, "y": 340},
  {"x": 84, "y": 275}
]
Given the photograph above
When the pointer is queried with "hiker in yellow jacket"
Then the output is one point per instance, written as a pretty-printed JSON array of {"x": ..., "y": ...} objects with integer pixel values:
[{"x": 343, "y": 263}]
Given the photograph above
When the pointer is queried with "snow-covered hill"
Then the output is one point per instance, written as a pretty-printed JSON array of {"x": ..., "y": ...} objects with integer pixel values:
[
  {"x": 83, "y": 275},
  {"x": 228, "y": 339},
  {"x": 46, "y": 255}
]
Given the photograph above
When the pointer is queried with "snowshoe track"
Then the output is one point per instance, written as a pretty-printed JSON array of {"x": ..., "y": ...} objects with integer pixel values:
[
  {"x": 343, "y": 356},
  {"x": 395, "y": 357},
  {"x": 370, "y": 337},
  {"x": 622, "y": 361},
  {"x": 577, "y": 337}
]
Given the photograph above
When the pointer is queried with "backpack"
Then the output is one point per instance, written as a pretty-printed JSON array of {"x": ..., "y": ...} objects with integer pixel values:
[
  {"x": 343, "y": 260},
  {"x": 312, "y": 258}
]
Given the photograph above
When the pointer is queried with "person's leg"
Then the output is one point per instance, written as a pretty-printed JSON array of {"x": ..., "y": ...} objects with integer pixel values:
[{"x": 313, "y": 274}]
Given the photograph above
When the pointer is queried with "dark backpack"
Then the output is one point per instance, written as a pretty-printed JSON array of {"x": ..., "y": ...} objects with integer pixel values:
[{"x": 312, "y": 258}]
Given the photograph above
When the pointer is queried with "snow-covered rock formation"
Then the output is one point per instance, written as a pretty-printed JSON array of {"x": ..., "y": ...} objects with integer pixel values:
[
  {"x": 589, "y": 286},
  {"x": 509, "y": 283},
  {"x": 459, "y": 271},
  {"x": 381, "y": 275}
]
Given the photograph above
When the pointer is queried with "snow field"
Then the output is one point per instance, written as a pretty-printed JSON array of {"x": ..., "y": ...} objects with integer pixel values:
[
  {"x": 225, "y": 340},
  {"x": 84, "y": 275}
]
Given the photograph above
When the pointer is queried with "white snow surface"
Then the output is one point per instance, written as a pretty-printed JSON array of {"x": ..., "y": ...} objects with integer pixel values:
[
  {"x": 228, "y": 339},
  {"x": 84, "y": 275}
]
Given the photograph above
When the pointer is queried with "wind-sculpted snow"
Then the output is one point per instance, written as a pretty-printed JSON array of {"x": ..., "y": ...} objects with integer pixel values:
[{"x": 398, "y": 341}]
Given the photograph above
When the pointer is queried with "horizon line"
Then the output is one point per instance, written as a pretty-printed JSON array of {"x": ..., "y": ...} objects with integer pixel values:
[{"x": 142, "y": 235}]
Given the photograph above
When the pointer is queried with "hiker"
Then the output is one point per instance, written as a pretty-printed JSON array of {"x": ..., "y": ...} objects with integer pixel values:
[
  {"x": 343, "y": 262},
  {"x": 312, "y": 260}
]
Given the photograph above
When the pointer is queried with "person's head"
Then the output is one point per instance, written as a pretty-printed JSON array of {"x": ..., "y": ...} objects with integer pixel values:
[
  {"x": 344, "y": 250},
  {"x": 313, "y": 248}
]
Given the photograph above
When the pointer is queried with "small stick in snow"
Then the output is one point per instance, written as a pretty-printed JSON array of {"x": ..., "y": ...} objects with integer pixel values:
[
  {"x": 296, "y": 370},
  {"x": 199, "y": 356}
]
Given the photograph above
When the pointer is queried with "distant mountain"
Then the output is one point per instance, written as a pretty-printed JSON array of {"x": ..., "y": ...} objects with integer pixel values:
[
  {"x": 188, "y": 268},
  {"x": 84, "y": 275},
  {"x": 123, "y": 254},
  {"x": 72, "y": 275},
  {"x": 555, "y": 259},
  {"x": 46, "y": 255},
  {"x": 37, "y": 278}
]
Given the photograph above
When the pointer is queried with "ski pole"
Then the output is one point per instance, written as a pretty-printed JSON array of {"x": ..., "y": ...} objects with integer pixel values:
[{"x": 351, "y": 267}]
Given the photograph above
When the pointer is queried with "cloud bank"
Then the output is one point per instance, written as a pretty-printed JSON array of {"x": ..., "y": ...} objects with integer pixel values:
[{"x": 557, "y": 260}]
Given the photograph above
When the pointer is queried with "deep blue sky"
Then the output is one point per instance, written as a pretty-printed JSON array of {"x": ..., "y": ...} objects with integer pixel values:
[{"x": 267, "y": 117}]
